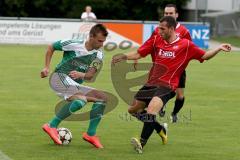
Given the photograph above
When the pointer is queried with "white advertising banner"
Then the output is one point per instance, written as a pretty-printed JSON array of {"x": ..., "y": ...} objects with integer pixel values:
[{"x": 45, "y": 32}]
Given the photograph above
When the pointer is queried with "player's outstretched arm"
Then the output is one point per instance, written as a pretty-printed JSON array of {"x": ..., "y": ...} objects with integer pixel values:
[
  {"x": 211, "y": 53},
  {"x": 44, "y": 73},
  {"x": 129, "y": 56}
]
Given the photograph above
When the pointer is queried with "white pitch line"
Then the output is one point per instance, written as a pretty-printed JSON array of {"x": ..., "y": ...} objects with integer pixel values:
[{"x": 4, "y": 156}]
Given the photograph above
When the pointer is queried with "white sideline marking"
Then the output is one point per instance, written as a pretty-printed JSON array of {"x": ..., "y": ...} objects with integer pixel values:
[{"x": 4, "y": 156}]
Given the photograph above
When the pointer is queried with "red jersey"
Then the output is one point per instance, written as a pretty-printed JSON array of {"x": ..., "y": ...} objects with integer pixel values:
[
  {"x": 180, "y": 30},
  {"x": 169, "y": 59}
]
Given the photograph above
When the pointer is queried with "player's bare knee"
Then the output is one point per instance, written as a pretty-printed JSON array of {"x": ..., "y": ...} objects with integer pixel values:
[
  {"x": 131, "y": 110},
  {"x": 99, "y": 95},
  {"x": 103, "y": 97},
  {"x": 180, "y": 96},
  {"x": 76, "y": 97},
  {"x": 151, "y": 111},
  {"x": 179, "y": 93}
]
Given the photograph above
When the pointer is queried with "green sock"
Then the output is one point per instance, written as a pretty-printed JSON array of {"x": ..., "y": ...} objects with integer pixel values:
[
  {"x": 66, "y": 111},
  {"x": 95, "y": 117}
]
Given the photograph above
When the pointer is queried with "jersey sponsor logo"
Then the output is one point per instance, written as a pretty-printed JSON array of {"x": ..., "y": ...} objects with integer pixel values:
[
  {"x": 166, "y": 54},
  {"x": 79, "y": 64}
]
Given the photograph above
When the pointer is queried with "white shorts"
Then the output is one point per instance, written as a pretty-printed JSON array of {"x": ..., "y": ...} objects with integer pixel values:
[{"x": 65, "y": 87}]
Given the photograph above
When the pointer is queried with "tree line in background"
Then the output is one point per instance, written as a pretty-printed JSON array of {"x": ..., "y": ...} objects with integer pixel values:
[{"x": 104, "y": 9}]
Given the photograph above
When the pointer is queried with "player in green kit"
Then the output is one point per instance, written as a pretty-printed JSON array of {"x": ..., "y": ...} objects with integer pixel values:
[{"x": 81, "y": 61}]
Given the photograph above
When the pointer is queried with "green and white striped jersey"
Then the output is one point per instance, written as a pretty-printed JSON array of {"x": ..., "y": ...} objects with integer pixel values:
[{"x": 76, "y": 57}]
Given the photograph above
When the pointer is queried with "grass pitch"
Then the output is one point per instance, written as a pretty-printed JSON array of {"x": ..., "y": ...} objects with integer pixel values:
[{"x": 208, "y": 127}]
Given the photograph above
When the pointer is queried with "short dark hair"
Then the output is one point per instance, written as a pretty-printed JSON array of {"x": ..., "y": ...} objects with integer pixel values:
[
  {"x": 172, "y": 5},
  {"x": 171, "y": 22},
  {"x": 98, "y": 28}
]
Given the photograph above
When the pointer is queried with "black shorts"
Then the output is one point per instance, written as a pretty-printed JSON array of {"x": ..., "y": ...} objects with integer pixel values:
[
  {"x": 182, "y": 80},
  {"x": 146, "y": 93}
]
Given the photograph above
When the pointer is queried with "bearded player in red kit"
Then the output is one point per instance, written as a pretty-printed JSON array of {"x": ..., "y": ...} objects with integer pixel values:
[
  {"x": 170, "y": 56},
  {"x": 182, "y": 32}
]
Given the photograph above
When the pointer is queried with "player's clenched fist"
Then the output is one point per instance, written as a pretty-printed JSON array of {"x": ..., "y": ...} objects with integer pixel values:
[{"x": 44, "y": 73}]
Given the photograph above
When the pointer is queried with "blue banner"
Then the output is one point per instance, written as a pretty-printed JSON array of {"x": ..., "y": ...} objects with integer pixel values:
[{"x": 200, "y": 33}]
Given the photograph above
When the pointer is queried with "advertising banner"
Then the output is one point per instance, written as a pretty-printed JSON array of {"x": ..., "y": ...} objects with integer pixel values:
[
  {"x": 36, "y": 32},
  {"x": 121, "y": 35},
  {"x": 45, "y": 32}
]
